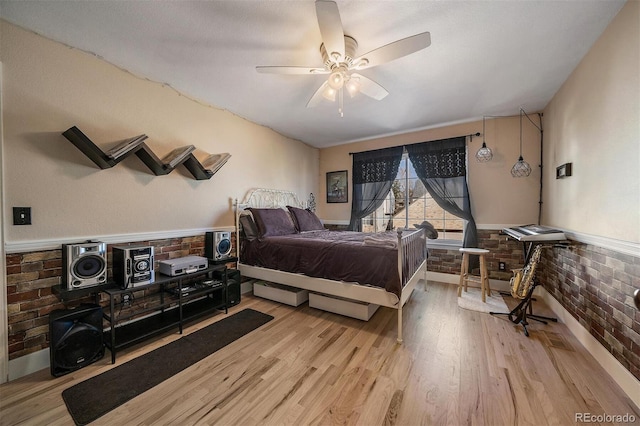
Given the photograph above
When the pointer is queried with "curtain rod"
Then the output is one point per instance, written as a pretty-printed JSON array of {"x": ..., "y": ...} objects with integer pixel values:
[{"x": 461, "y": 136}]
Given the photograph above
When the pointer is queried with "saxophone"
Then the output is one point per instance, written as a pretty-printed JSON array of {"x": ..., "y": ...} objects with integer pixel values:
[{"x": 523, "y": 278}]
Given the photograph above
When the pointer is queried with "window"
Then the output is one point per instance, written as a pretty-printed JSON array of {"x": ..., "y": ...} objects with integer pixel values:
[{"x": 409, "y": 203}]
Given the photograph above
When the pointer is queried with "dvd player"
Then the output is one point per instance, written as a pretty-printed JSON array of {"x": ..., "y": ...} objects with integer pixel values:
[{"x": 183, "y": 265}]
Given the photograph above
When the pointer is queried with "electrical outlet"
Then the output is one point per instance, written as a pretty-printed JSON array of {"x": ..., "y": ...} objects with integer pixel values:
[
  {"x": 502, "y": 266},
  {"x": 22, "y": 215}
]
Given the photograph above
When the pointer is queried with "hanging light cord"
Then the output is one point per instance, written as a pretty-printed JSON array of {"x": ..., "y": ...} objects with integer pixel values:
[
  {"x": 483, "y": 132},
  {"x": 539, "y": 127},
  {"x": 521, "y": 111},
  {"x": 541, "y": 174}
]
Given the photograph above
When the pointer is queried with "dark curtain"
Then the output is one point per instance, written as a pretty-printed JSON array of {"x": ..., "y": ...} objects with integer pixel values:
[
  {"x": 442, "y": 167},
  {"x": 373, "y": 174}
]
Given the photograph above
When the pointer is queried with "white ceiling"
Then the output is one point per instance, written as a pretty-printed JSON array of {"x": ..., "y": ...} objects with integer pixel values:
[{"x": 485, "y": 58}]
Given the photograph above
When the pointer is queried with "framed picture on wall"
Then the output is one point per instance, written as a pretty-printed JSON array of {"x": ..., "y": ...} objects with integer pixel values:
[{"x": 337, "y": 189}]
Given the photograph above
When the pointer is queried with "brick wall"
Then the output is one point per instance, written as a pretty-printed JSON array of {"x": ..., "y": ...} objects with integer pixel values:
[
  {"x": 501, "y": 250},
  {"x": 31, "y": 277},
  {"x": 596, "y": 286}
]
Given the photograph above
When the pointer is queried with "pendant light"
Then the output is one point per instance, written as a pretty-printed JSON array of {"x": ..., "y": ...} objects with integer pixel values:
[
  {"x": 521, "y": 168},
  {"x": 484, "y": 154}
]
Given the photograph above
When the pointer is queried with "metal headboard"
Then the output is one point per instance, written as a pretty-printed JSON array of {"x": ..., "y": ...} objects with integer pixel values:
[
  {"x": 262, "y": 198},
  {"x": 270, "y": 198}
]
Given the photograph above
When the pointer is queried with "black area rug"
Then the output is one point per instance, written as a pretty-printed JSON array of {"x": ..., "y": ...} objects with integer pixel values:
[{"x": 98, "y": 395}]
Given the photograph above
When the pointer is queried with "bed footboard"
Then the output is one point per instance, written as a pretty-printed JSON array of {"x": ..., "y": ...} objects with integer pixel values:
[
  {"x": 411, "y": 253},
  {"x": 412, "y": 257}
]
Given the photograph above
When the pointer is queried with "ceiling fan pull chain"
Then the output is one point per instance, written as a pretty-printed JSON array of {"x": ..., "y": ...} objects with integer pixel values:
[{"x": 341, "y": 105}]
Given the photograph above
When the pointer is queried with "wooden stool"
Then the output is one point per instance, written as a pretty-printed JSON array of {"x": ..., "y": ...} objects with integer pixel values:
[{"x": 483, "y": 279}]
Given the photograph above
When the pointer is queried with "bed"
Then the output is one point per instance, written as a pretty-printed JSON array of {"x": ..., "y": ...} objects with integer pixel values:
[{"x": 381, "y": 269}]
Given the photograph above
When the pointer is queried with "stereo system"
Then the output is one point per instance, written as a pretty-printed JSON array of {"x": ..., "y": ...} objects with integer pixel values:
[
  {"x": 218, "y": 245},
  {"x": 133, "y": 266},
  {"x": 75, "y": 338},
  {"x": 84, "y": 265}
]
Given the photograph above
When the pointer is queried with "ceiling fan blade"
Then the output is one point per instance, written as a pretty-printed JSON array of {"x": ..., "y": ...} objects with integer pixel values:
[
  {"x": 290, "y": 70},
  {"x": 330, "y": 26},
  {"x": 317, "y": 97},
  {"x": 370, "y": 88},
  {"x": 392, "y": 51}
]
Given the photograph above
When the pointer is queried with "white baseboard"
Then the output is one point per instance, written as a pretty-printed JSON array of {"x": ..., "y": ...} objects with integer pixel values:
[
  {"x": 629, "y": 384},
  {"x": 497, "y": 285},
  {"x": 28, "y": 364}
]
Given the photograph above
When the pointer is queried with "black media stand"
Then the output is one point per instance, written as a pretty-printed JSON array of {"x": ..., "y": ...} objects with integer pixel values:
[{"x": 176, "y": 300}]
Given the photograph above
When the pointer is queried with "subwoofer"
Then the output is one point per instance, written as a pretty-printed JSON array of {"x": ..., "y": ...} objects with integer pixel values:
[
  {"x": 133, "y": 266},
  {"x": 217, "y": 245},
  {"x": 75, "y": 338},
  {"x": 84, "y": 265},
  {"x": 234, "y": 280}
]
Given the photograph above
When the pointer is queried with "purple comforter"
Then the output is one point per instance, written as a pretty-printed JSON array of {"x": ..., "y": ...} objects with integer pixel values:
[{"x": 335, "y": 255}]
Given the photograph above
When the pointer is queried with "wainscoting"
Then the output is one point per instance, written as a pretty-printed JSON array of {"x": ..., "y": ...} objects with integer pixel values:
[
  {"x": 594, "y": 284},
  {"x": 502, "y": 250}
]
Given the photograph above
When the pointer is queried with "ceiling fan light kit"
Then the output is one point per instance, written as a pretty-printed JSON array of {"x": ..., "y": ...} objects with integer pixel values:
[
  {"x": 336, "y": 80},
  {"x": 353, "y": 86},
  {"x": 328, "y": 92},
  {"x": 339, "y": 59}
]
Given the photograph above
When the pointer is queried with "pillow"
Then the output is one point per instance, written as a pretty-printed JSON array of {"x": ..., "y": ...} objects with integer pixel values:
[
  {"x": 305, "y": 220},
  {"x": 273, "y": 222},
  {"x": 249, "y": 227}
]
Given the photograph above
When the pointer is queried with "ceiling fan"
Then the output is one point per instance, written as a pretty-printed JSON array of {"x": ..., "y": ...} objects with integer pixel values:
[{"x": 341, "y": 63}]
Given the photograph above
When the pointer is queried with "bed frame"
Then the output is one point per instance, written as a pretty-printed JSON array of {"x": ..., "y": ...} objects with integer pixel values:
[{"x": 271, "y": 198}]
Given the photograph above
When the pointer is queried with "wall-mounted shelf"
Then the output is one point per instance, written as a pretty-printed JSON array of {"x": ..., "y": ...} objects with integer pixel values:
[{"x": 136, "y": 145}]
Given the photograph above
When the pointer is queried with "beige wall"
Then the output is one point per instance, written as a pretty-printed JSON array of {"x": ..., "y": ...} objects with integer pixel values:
[
  {"x": 593, "y": 123},
  {"x": 496, "y": 197},
  {"x": 49, "y": 87}
]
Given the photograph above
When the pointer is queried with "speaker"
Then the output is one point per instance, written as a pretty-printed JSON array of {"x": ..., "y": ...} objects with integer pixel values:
[
  {"x": 84, "y": 265},
  {"x": 133, "y": 266},
  {"x": 233, "y": 287},
  {"x": 75, "y": 338},
  {"x": 234, "y": 280},
  {"x": 217, "y": 245}
]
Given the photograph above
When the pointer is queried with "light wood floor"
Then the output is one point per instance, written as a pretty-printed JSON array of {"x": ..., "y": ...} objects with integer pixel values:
[{"x": 456, "y": 367}]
